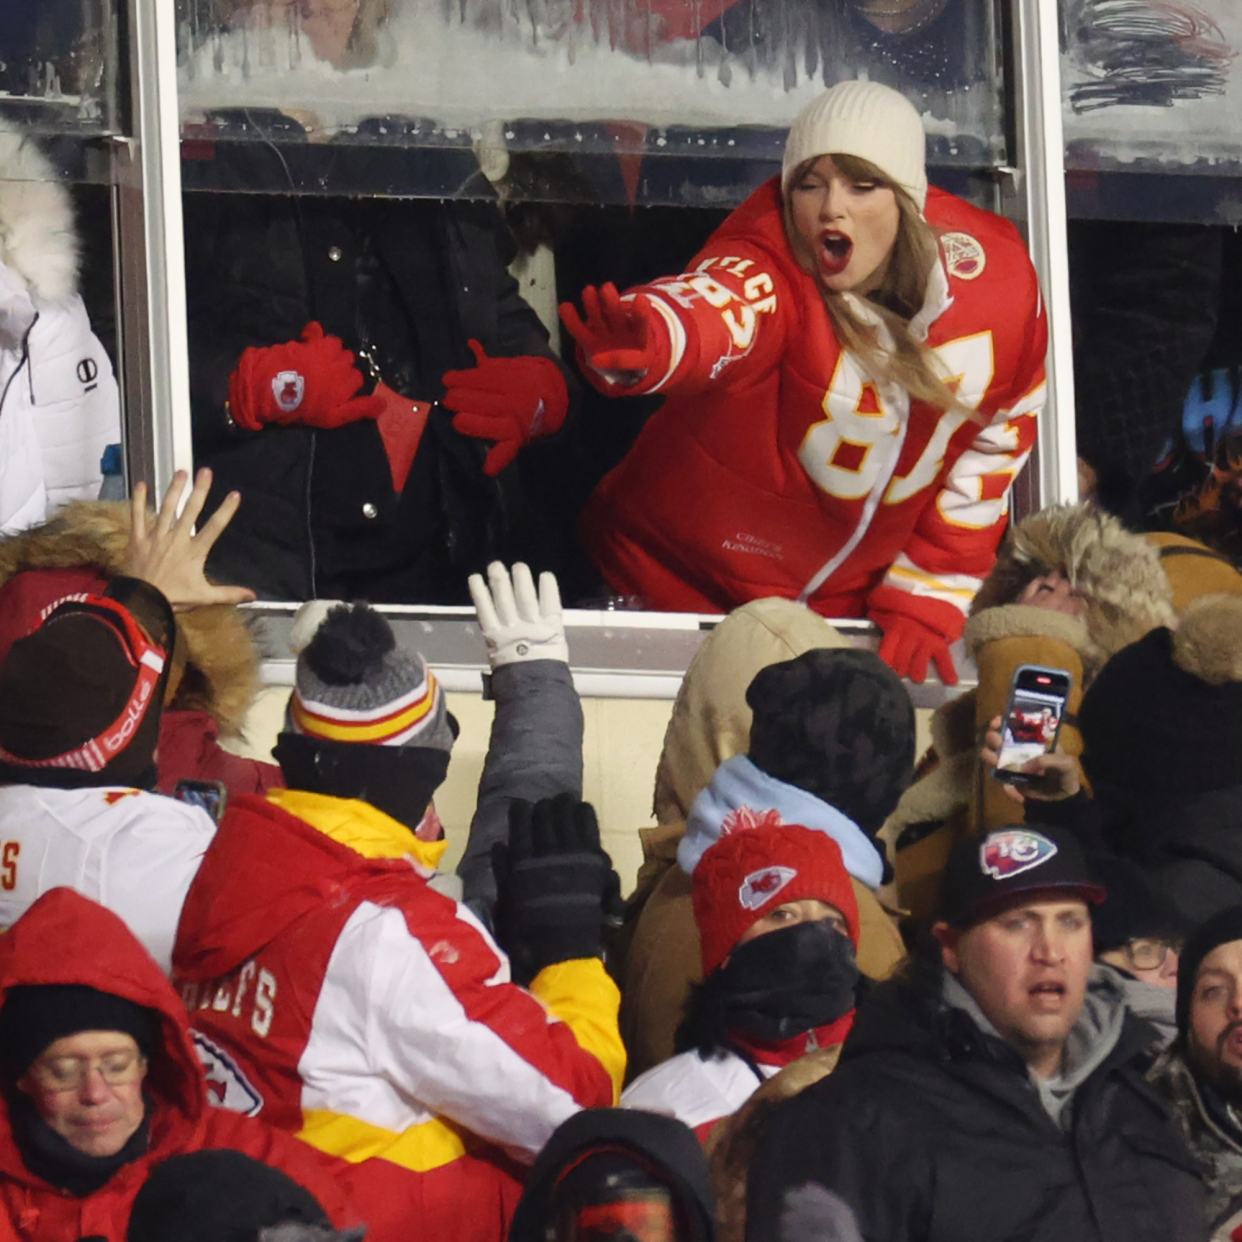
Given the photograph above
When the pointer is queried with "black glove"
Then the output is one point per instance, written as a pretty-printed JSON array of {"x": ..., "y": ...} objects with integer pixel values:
[{"x": 551, "y": 882}]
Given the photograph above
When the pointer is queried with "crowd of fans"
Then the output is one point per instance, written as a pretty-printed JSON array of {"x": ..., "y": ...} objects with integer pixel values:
[
  {"x": 850, "y": 997},
  {"x": 275, "y": 1018}
]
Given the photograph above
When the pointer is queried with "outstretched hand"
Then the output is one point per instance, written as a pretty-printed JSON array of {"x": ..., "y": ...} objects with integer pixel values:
[
  {"x": 1053, "y": 776},
  {"x": 170, "y": 554},
  {"x": 616, "y": 336},
  {"x": 517, "y": 622}
]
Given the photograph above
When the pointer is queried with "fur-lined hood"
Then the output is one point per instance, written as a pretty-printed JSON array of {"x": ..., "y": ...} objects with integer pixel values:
[
  {"x": 221, "y": 674},
  {"x": 1118, "y": 573},
  {"x": 1208, "y": 642},
  {"x": 38, "y": 239}
]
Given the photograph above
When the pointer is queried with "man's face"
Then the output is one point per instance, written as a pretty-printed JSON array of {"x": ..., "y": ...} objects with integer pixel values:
[
  {"x": 88, "y": 1088},
  {"x": 1214, "y": 1040},
  {"x": 1027, "y": 968}
]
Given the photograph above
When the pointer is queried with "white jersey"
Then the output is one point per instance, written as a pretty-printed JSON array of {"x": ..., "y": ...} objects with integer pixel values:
[
  {"x": 695, "y": 1091},
  {"x": 131, "y": 851}
]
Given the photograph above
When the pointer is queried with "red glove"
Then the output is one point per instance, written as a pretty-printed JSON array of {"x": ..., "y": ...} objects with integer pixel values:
[
  {"x": 617, "y": 336},
  {"x": 510, "y": 400},
  {"x": 909, "y": 644},
  {"x": 309, "y": 382}
]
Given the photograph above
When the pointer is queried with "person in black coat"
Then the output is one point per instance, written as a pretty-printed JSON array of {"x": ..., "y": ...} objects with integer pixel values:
[
  {"x": 317, "y": 324},
  {"x": 993, "y": 1096}
]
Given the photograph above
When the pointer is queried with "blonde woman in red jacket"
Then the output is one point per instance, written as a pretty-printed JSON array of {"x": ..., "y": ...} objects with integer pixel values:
[{"x": 854, "y": 365}]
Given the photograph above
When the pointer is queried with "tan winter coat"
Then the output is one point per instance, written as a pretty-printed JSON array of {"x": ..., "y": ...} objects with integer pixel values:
[
  {"x": 658, "y": 957},
  {"x": 1132, "y": 583}
]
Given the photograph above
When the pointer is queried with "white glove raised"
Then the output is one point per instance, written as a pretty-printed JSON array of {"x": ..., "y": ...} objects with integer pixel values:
[{"x": 517, "y": 623}]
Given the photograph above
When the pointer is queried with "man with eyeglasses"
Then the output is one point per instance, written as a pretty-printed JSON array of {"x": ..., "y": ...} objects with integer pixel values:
[
  {"x": 1201, "y": 1075},
  {"x": 1137, "y": 933}
]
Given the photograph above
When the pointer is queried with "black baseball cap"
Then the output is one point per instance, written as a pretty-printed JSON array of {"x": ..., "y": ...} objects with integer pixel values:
[{"x": 985, "y": 872}]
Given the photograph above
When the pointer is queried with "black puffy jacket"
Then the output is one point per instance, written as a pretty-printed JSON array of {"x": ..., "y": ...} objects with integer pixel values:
[
  {"x": 413, "y": 280},
  {"x": 932, "y": 1131}
]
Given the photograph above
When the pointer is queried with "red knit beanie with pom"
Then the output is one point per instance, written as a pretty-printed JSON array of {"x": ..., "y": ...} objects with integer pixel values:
[{"x": 752, "y": 870}]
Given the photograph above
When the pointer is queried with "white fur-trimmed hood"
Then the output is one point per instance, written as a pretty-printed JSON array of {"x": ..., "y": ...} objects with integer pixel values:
[{"x": 38, "y": 239}]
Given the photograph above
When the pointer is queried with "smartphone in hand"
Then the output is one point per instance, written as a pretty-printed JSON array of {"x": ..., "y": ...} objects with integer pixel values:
[
  {"x": 209, "y": 796},
  {"x": 1037, "y": 698}
]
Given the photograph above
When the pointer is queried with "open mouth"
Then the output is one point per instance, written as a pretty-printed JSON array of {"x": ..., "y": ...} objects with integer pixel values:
[
  {"x": 835, "y": 251},
  {"x": 1049, "y": 993}
]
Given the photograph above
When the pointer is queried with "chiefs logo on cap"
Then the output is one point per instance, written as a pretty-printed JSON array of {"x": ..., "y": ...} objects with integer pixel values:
[
  {"x": 1006, "y": 854},
  {"x": 761, "y": 886}
]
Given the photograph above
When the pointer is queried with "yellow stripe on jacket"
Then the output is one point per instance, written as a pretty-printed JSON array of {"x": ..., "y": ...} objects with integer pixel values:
[
  {"x": 420, "y": 1148},
  {"x": 584, "y": 997}
]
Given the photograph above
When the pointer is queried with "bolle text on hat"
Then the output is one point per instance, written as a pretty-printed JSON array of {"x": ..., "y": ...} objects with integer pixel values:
[{"x": 983, "y": 873}]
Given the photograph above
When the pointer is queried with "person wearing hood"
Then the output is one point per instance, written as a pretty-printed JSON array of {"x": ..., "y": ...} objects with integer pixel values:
[
  {"x": 100, "y": 1082},
  {"x": 1071, "y": 588},
  {"x": 608, "y": 1173},
  {"x": 59, "y": 405},
  {"x": 214, "y": 675},
  {"x": 854, "y": 366},
  {"x": 995, "y": 1094},
  {"x": 831, "y": 747},
  {"x": 332, "y": 988},
  {"x": 80, "y": 702},
  {"x": 778, "y": 926},
  {"x": 1162, "y": 735},
  {"x": 1200, "y": 1077},
  {"x": 1138, "y": 933}
]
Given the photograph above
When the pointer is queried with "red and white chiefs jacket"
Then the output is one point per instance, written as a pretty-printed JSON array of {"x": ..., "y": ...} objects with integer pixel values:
[
  {"x": 333, "y": 993},
  {"x": 777, "y": 466},
  {"x": 66, "y": 939},
  {"x": 132, "y": 851}
]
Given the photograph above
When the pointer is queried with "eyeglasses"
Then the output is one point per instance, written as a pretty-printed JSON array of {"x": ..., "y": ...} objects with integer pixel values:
[
  {"x": 1148, "y": 954},
  {"x": 70, "y": 1073}
]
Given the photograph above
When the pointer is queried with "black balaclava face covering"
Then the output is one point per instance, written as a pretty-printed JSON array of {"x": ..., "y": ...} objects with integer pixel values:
[{"x": 773, "y": 988}]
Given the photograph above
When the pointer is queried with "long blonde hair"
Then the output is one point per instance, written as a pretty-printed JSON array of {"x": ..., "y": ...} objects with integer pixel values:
[{"x": 898, "y": 299}]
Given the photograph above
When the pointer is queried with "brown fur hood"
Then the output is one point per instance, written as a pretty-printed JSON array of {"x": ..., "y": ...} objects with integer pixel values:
[
  {"x": 1119, "y": 573},
  {"x": 221, "y": 674},
  {"x": 1208, "y": 642}
]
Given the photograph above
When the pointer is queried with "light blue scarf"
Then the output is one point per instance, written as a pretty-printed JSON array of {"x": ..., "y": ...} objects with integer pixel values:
[{"x": 738, "y": 783}]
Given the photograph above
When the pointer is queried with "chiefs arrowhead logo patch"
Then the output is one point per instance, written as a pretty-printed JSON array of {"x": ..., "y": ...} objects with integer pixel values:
[
  {"x": 1010, "y": 853},
  {"x": 964, "y": 256},
  {"x": 761, "y": 886},
  {"x": 288, "y": 387}
]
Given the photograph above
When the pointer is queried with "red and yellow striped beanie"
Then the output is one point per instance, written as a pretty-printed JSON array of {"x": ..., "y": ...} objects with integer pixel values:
[{"x": 354, "y": 684}]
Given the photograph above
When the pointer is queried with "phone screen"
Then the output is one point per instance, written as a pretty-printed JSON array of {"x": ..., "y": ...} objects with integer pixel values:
[
  {"x": 209, "y": 796},
  {"x": 1033, "y": 719}
]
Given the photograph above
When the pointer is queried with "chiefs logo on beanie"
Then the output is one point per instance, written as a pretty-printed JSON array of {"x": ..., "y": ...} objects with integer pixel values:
[{"x": 749, "y": 872}]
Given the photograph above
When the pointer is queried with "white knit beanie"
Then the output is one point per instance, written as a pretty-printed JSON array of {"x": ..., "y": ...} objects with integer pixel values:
[{"x": 867, "y": 120}]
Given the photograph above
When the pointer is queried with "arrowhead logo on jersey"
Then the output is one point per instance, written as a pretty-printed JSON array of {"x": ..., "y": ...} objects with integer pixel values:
[
  {"x": 761, "y": 886},
  {"x": 964, "y": 257},
  {"x": 1009, "y": 853},
  {"x": 288, "y": 387},
  {"x": 227, "y": 1086}
]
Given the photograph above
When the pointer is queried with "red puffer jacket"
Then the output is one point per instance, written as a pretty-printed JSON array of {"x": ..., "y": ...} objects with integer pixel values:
[{"x": 65, "y": 938}]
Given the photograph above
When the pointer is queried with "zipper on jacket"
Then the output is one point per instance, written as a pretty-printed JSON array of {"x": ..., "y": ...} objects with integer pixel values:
[{"x": 23, "y": 364}]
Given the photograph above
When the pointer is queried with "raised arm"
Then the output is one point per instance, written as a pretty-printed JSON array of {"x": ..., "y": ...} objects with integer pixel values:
[{"x": 717, "y": 323}]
